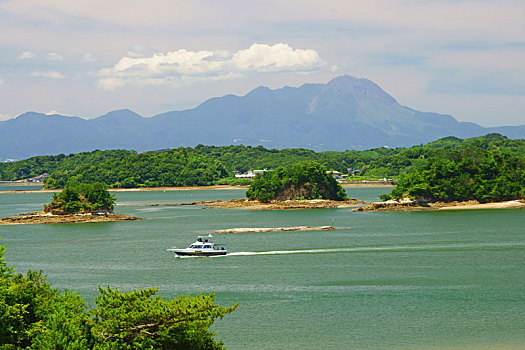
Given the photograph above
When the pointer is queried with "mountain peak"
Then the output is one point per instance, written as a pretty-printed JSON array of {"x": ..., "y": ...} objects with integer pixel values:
[
  {"x": 259, "y": 90},
  {"x": 121, "y": 114},
  {"x": 359, "y": 87},
  {"x": 31, "y": 115}
]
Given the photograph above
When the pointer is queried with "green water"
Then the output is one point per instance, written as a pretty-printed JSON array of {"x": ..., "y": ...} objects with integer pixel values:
[
  {"x": 447, "y": 279},
  {"x": 19, "y": 187}
]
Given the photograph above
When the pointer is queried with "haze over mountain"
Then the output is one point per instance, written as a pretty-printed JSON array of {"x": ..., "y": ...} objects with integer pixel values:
[{"x": 345, "y": 113}]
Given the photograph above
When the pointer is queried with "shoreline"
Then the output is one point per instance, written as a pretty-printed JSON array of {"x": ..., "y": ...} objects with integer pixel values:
[
  {"x": 142, "y": 189},
  {"x": 182, "y": 188},
  {"x": 407, "y": 205},
  {"x": 278, "y": 229},
  {"x": 247, "y": 204},
  {"x": 39, "y": 217}
]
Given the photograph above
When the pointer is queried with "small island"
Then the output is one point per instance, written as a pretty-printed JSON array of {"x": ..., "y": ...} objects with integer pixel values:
[
  {"x": 77, "y": 203},
  {"x": 305, "y": 185},
  {"x": 467, "y": 177}
]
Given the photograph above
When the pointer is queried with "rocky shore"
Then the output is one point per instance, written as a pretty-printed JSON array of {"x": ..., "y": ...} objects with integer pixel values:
[
  {"x": 279, "y": 229},
  {"x": 273, "y": 205},
  {"x": 39, "y": 217},
  {"x": 415, "y": 205}
]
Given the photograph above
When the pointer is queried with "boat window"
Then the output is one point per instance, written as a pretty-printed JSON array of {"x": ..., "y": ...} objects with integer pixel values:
[
  {"x": 197, "y": 246},
  {"x": 207, "y": 246}
]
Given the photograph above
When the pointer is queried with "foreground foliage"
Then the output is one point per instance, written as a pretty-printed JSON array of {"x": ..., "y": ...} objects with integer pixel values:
[
  {"x": 306, "y": 180},
  {"x": 465, "y": 173},
  {"x": 82, "y": 198},
  {"x": 33, "y": 315}
]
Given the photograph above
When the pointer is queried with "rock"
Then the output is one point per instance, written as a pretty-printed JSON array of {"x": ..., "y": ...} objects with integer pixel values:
[{"x": 276, "y": 229}]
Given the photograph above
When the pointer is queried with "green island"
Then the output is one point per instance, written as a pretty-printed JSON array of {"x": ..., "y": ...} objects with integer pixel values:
[
  {"x": 76, "y": 198},
  {"x": 34, "y": 315},
  {"x": 464, "y": 173},
  {"x": 305, "y": 185},
  {"x": 306, "y": 180},
  {"x": 76, "y": 203},
  {"x": 212, "y": 165},
  {"x": 468, "y": 176}
]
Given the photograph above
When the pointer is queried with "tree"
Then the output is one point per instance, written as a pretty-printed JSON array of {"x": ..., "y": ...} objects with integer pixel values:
[
  {"x": 82, "y": 197},
  {"x": 468, "y": 172},
  {"x": 34, "y": 315},
  {"x": 138, "y": 320},
  {"x": 306, "y": 180}
]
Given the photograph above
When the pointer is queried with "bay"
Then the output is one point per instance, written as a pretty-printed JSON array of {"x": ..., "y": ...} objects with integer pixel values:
[{"x": 406, "y": 280}]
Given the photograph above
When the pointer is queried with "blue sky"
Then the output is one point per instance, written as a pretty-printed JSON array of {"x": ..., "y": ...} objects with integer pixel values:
[{"x": 85, "y": 58}]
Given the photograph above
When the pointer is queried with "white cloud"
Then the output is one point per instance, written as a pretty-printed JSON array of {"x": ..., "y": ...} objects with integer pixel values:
[
  {"x": 53, "y": 112},
  {"x": 183, "y": 65},
  {"x": 136, "y": 51},
  {"x": 26, "y": 55},
  {"x": 4, "y": 117},
  {"x": 53, "y": 56},
  {"x": 88, "y": 57},
  {"x": 48, "y": 74}
]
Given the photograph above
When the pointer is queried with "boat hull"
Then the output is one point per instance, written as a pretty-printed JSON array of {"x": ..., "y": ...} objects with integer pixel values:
[{"x": 198, "y": 253}]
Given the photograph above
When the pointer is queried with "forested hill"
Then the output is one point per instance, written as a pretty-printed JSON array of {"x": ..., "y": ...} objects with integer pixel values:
[
  {"x": 207, "y": 165},
  {"x": 464, "y": 173}
]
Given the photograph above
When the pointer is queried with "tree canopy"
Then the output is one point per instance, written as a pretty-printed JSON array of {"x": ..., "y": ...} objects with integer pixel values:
[
  {"x": 469, "y": 172},
  {"x": 82, "y": 198},
  {"x": 207, "y": 165},
  {"x": 34, "y": 315},
  {"x": 306, "y": 180},
  {"x": 177, "y": 167}
]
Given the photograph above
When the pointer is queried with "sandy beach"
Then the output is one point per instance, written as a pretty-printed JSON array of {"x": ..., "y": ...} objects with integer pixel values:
[
  {"x": 141, "y": 189},
  {"x": 180, "y": 188}
]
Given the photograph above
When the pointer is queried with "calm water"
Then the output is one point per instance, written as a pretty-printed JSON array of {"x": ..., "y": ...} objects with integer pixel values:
[
  {"x": 19, "y": 187},
  {"x": 432, "y": 280}
]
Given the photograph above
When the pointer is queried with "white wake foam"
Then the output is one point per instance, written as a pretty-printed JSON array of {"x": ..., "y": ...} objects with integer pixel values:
[{"x": 458, "y": 246}]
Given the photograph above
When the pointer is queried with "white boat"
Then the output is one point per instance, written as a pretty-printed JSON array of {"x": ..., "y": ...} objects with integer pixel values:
[{"x": 203, "y": 246}]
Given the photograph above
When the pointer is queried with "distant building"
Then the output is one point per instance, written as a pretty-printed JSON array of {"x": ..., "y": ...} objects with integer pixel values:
[
  {"x": 250, "y": 174},
  {"x": 336, "y": 174}
]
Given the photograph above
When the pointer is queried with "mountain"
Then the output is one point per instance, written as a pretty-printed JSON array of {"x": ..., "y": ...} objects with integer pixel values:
[{"x": 345, "y": 113}]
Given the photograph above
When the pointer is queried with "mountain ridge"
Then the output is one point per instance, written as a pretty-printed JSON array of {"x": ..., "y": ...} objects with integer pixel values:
[{"x": 344, "y": 113}]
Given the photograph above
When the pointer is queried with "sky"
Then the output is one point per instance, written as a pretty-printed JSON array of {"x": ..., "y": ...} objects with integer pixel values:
[{"x": 86, "y": 58}]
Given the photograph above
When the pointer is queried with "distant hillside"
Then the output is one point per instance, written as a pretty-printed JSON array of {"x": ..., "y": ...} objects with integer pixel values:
[
  {"x": 205, "y": 165},
  {"x": 346, "y": 113}
]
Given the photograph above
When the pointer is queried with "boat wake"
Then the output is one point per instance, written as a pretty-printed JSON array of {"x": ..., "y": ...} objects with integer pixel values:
[{"x": 430, "y": 247}]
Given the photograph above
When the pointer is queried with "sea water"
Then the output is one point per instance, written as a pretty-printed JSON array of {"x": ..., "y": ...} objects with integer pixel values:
[{"x": 402, "y": 280}]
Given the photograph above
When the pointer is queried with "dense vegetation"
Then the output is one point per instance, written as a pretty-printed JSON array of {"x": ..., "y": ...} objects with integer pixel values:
[
  {"x": 177, "y": 167},
  {"x": 469, "y": 172},
  {"x": 35, "y": 166},
  {"x": 82, "y": 198},
  {"x": 206, "y": 165},
  {"x": 306, "y": 180},
  {"x": 378, "y": 162},
  {"x": 34, "y": 315}
]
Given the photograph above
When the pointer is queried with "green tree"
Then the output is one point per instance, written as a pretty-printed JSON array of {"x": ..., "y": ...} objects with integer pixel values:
[
  {"x": 467, "y": 172},
  {"x": 141, "y": 320},
  {"x": 305, "y": 180},
  {"x": 82, "y": 197},
  {"x": 34, "y": 315}
]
